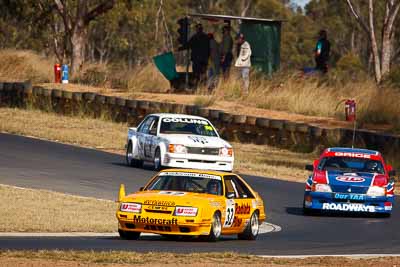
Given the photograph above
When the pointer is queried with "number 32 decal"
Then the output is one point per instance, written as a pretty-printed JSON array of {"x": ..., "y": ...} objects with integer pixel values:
[{"x": 230, "y": 212}]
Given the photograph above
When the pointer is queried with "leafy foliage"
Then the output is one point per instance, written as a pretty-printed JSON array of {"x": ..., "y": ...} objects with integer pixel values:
[{"x": 133, "y": 31}]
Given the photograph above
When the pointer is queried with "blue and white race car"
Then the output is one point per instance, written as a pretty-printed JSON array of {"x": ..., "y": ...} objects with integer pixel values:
[{"x": 350, "y": 180}]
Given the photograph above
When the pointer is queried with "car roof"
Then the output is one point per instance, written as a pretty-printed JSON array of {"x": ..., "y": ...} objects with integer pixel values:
[
  {"x": 176, "y": 115},
  {"x": 352, "y": 150},
  {"x": 219, "y": 173}
]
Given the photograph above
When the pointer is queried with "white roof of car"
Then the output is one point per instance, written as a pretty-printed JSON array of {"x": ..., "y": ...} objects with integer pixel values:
[{"x": 176, "y": 115}]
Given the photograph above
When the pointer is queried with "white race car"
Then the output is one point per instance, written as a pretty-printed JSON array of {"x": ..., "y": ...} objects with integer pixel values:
[{"x": 179, "y": 141}]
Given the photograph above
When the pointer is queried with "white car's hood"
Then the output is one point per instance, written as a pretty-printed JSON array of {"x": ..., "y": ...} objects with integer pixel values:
[{"x": 195, "y": 140}]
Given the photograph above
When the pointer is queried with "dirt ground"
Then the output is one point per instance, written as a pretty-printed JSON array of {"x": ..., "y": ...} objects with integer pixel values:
[{"x": 182, "y": 260}]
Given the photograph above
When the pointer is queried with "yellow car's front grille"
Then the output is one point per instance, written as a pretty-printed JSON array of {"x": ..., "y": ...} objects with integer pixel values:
[
  {"x": 158, "y": 228},
  {"x": 159, "y": 211}
]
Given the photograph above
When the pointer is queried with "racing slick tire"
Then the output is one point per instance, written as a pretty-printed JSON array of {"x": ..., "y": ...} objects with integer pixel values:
[
  {"x": 129, "y": 235},
  {"x": 308, "y": 211},
  {"x": 251, "y": 230},
  {"x": 157, "y": 160},
  {"x": 383, "y": 215},
  {"x": 132, "y": 162},
  {"x": 216, "y": 228}
]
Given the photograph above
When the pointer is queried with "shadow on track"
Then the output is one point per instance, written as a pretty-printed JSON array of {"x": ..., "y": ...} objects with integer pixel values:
[
  {"x": 146, "y": 166},
  {"x": 299, "y": 212},
  {"x": 172, "y": 238}
]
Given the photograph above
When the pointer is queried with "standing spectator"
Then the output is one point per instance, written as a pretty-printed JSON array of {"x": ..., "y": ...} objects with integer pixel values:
[
  {"x": 214, "y": 62},
  {"x": 322, "y": 50},
  {"x": 200, "y": 46},
  {"x": 226, "y": 50},
  {"x": 243, "y": 62}
]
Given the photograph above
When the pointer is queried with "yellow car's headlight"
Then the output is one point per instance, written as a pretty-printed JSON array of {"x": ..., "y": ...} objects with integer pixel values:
[
  {"x": 186, "y": 211},
  {"x": 131, "y": 207}
]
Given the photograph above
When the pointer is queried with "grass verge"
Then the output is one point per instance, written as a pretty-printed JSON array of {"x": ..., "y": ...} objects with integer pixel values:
[
  {"x": 289, "y": 93},
  {"x": 46, "y": 211},
  {"x": 110, "y": 136},
  {"x": 120, "y": 258}
]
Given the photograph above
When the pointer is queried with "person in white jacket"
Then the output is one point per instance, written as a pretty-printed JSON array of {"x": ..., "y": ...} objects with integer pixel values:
[{"x": 243, "y": 61}]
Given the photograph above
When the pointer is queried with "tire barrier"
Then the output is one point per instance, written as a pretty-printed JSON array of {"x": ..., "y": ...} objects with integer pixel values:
[{"x": 297, "y": 136}]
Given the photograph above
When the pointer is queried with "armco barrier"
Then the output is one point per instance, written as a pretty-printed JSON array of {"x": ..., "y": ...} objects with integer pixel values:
[{"x": 233, "y": 127}]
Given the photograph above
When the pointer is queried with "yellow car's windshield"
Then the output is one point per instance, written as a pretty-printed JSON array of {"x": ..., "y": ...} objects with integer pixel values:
[{"x": 187, "y": 182}]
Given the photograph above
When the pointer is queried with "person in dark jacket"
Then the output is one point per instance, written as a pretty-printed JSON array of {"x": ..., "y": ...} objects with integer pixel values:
[
  {"x": 322, "y": 50},
  {"x": 199, "y": 44}
]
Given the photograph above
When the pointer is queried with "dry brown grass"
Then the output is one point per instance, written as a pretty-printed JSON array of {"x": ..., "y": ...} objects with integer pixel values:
[
  {"x": 21, "y": 65},
  {"x": 79, "y": 131},
  {"x": 105, "y": 135},
  {"x": 63, "y": 213},
  {"x": 271, "y": 162},
  {"x": 316, "y": 96},
  {"x": 130, "y": 81},
  {"x": 122, "y": 259}
]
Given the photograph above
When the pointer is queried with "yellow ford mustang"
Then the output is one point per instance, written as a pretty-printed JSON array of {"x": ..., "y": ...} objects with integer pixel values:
[{"x": 191, "y": 202}]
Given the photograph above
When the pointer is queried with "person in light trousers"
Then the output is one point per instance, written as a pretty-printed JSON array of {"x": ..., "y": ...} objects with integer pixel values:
[{"x": 243, "y": 62}]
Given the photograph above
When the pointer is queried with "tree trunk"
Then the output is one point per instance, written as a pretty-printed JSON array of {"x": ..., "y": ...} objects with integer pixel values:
[
  {"x": 386, "y": 53},
  {"x": 352, "y": 41},
  {"x": 374, "y": 46},
  {"x": 244, "y": 7},
  {"x": 78, "y": 39},
  {"x": 383, "y": 56}
]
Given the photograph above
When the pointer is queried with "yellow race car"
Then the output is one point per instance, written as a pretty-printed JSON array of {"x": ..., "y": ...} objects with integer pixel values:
[{"x": 200, "y": 203}]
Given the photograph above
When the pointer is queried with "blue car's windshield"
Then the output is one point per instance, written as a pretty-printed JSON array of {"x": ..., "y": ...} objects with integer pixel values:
[{"x": 350, "y": 164}]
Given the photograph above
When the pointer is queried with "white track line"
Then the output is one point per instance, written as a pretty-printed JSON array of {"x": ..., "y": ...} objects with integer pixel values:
[
  {"x": 264, "y": 228},
  {"x": 352, "y": 256}
]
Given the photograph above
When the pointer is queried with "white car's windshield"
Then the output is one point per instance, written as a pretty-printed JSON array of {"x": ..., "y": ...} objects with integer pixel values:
[
  {"x": 187, "y": 182},
  {"x": 187, "y": 126},
  {"x": 350, "y": 164}
]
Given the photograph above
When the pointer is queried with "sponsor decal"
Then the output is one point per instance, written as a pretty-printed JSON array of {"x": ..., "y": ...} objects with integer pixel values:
[
  {"x": 172, "y": 193},
  {"x": 215, "y": 204},
  {"x": 350, "y": 179},
  {"x": 237, "y": 222},
  {"x": 229, "y": 212},
  {"x": 159, "y": 202},
  {"x": 198, "y": 139},
  {"x": 349, "y": 196},
  {"x": 186, "y": 120},
  {"x": 186, "y": 211},
  {"x": 242, "y": 209},
  {"x": 131, "y": 207},
  {"x": 147, "y": 220},
  {"x": 254, "y": 204},
  {"x": 348, "y": 207},
  {"x": 191, "y": 174},
  {"x": 352, "y": 155},
  {"x": 157, "y": 208}
]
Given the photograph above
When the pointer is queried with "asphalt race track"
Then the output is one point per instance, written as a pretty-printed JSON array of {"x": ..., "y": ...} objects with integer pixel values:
[{"x": 34, "y": 163}]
